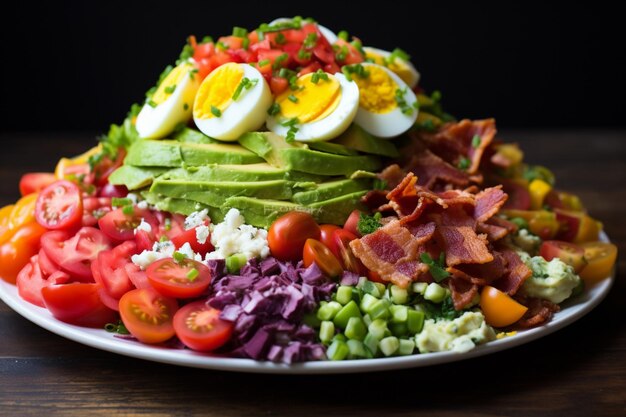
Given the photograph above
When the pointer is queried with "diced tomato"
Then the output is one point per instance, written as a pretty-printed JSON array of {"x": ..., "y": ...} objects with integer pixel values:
[
  {"x": 35, "y": 181},
  {"x": 74, "y": 254},
  {"x": 59, "y": 206},
  {"x": 316, "y": 251},
  {"x": 352, "y": 223},
  {"x": 95, "y": 208},
  {"x": 184, "y": 279},
  {"x": 121, "y": 226},
  {"x": 569, "y": 253},
  {"x": 19, "y": 249},
  {"x": 255, "y": 47},
  {"x": 203, "y": 50},
  {"x": 272, "y": 55},
  {"x": 189, "y": 236},
  {"x": 148, "y": 315},
  {"x": 232, "y": 42},
  {"x": 200, "y": 328},
  {"x": 288, "y": 233},
  {"x": 293, "y": 50},
  {"x": 111, "y": 272},
  {"x": 220, "y": 58},
  {"x": 324, "y": 53},
  {"x": 353, "y": 56},
  {"x": 278, "y": 85},
  {"x": 204, "y": 67},
  {"x": 332, "y": 68},
  {"x": 313, "y": 67},
  {"x": 77, "y": 304}
]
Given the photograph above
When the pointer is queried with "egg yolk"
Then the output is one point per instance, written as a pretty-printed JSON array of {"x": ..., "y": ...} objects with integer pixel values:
[
  {"x": 398, "y": 66},
  {"x": 217, "y": 90},
  {"x": 168, "y": 85},
  {"x": 377, "y": 91},
  {"x": 311, "y": 101}
]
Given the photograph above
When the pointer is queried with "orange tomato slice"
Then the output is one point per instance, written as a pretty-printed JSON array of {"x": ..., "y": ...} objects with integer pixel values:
[
  {"x": 499, "y": 309},
  {"x": 601, "y": 257}
]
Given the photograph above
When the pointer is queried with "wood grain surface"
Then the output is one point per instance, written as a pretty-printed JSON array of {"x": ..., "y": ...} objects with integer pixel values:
[{"x": 577, "y": 371}]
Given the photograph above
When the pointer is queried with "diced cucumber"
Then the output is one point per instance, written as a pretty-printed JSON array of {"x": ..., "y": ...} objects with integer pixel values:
[
  {"x": 407, "y": 346},
  {"x": 328, "y": 311},
  {"x": 337, "y": 351},
  {"x": 419, "y": 287},
  {"x": 370, "y": 287},
  {"x": 377, "y": 328},
  {"x": 349, "y": 310},
  {"x": 399, "y": 329},
  {"x": 415, "y": 321},
  {"x": 389, "y": 345},
  {"x": 435, "y": 293},
  {"x": 355, "y": 329},
  {"x": 367, "y": 302},
  {"x": 399, "y": 314},
  {"x": 371, "y": 343},
  {"x": 344, "y": 294},
  {"x": 357, "y": 349},
  {"x": 381, "y": 287},
  {"x": 341, "y": 337},
  {"x": 398, "y": 295},
  {"x": 380, "y": 309},
  {"x": 327, "y": 331},
  {"x": 367, "y": 319}
]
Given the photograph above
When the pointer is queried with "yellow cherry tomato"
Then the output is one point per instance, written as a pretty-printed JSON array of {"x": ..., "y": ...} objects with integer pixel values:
[
  {"x": 76, "y": 165},
  {"x": 24, "y": 211},
  {"x": 588, "y": 230},
  {"x": 601, "y": 257},
  {"x": 5, "y": 230},
  {"x": 499, "y": 309}
]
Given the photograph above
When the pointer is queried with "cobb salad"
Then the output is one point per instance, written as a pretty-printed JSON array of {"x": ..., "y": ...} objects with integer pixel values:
[{"x": 289, "y": 194}]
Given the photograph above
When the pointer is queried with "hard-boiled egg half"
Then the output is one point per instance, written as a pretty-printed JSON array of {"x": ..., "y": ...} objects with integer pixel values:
[
  {"x": 396, "y": 61},
  {"x": 320, "y": 106},
  {"x": 170, "y": 104},
  {"x": 232, "y": 100},
  {"x": 387, "y": 106},
  {"x": 328, "y": 34}
]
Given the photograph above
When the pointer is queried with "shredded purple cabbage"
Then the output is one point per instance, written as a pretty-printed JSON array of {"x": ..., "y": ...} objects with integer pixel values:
[{"x": 267, "y": 302}]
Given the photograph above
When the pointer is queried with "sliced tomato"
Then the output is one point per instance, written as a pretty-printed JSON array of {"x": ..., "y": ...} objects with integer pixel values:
[
  {"x": 569, "y": 253},
  {"x": 185, "y": 279},
  {"x": 352, "y": 56},
  {"x": 35, "y": 182},
  {"x": 200, "y": 328},
  {"x": 499, "y": 309},
  {"x": 278, "y": 84},
  {"x": 138, "y": 277},
  {"x": 148, "y": 315},
  {"x": 344, "y": 253},
  {"x": 111, "y": 270},
  {"x": 327, "y": 238},
  {"x": 316, "y": 251},
  {"x": 59, "y": 206},
  {"x": 19, "y": 249},
  {"x": 288, "y": 233},
  {"x": 105, "y": 167},
  {"x": 600, "y": 257},
  {"x": 78, "y": 304},
  {"x": 76, "y": 253},
  {"x": 94, "y": 208},
  {"x": 144, "y": 240},
  {"x": 30, "y": 281},
  {"x": 352, "y": 223},
  {"x": 189, "y": 236},
  {"x": 121, "y": 226},
  {"x": 48, "y": 267}
]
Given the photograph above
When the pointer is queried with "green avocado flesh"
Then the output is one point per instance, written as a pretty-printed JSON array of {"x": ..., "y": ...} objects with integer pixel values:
[
  {"x": 263, "y": 176},
  {"x": 358, "y": 139}
]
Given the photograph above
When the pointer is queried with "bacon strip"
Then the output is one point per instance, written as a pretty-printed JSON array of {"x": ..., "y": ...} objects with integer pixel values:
[
  {"x": 539, "y": 312},
  {"x": 488, "y": 202},
  {"x": 517, "y": 273},
  {"x": 462, "y": 291},
  {"x": 430, "y": 169},
  {"x": 481, "y": 274}
]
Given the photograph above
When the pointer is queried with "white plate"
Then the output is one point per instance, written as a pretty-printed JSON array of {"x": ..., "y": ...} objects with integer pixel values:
[{"x": 571, "y": 311}]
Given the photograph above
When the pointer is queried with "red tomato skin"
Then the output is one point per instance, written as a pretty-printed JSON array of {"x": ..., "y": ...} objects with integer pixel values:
[
  {"x": 569, "y": 253},
  {"x": 327, "y": 238},
  {"x": 288, "y": 233},
  {"x": 189, "y": 236},
  {"x": 33, "y": 182},
  {"x": 120, "y": 226},
  {"x": 316, "y": 251},
  {"x": 78, "y": 304},
  {"x": 148, "y": 301},
  {"x": 203, "y": 340},
  {"x": 59, "y": 192},
  {"x": 30, "y": 281},
  {"x": 352, "y": 223},
  {"x": 348, "y": 260},
  {"x": 111, "y": 274},
  {"x": 176, "y": 284}
]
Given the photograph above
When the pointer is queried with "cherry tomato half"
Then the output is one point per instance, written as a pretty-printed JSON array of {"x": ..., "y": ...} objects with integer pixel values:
[
  {"x": 148, "y": 315},
  {"x": 316, "y": 251},
  {"x": 18, "y": 250},
  {"x": 189, "y": 236},
  {"x": 184, "y": 279},
  {"x": 121, "y": 226},
  {"x": 78, "y": 304},
  {"x": 600, "y": 258},
  {"x": 326, "y": 236},
  {"x": 569, "y": 253},
  {"x": 35, "y": 181},
  {"x": 499, "y": 309},
  {"x": 344, "y": 253},
  {"x": 352, "y": 223},
  {"x": 200, "y": 328},
  {"x": 109, "y": 270},
  {"x": 288, "y": 233},
  {"x": 59, "y": 206}
]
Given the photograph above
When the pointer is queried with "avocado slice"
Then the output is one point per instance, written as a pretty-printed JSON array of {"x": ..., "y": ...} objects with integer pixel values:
[
  {"x": 135, "y": 177},
  {"x": 357, "y": 138},
  {"x": 277, "y": 152},
  {"x": 331, "y": 189},
  {"x": 249, "y": 172},
  {"x": 215, "y": 192},
  {"x": 330, "y": 147},
  {"x": 170, "y": 153},
  {"x": 182, "y": 206},
  {"x": 189, "y": 135}
]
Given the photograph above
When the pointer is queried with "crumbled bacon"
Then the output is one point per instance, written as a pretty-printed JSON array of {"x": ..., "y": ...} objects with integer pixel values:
[
  {"x": 517, "y": 273},
  {"x": 462, "y": 292},
  {"x": 540, "y": 311}
]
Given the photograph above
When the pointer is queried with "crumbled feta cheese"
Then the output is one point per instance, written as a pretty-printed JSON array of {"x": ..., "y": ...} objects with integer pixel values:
[
  {"x": 143, "y": 205},
  {"x": 159, "y": 250},
  {"x": 132, "y": 197},
  {"x": 233, "y": 236},
  {"x": 197, "y": 218},
  {"x": 144, "y": 225},
  {"x": 186, "y": 250},
  {"x": 202, "y": 234}
]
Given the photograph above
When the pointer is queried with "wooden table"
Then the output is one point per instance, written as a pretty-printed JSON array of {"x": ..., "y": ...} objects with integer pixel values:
[{"x": 578, "y": 371}]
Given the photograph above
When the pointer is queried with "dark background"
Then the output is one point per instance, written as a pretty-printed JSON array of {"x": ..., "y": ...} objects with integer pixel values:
[{"x": 78, "y": 67}]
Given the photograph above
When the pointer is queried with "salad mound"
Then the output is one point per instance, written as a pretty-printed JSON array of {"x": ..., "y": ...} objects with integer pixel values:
[{"x": 288, "y": 194}]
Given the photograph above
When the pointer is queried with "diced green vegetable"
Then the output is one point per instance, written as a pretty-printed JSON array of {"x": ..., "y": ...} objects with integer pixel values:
[
  {"x": 435, "y": 293},
  {"x": 337, "y": 351},
  {"x": 355, "y": 329},
  {"x": 407, "y": 346},
  {"x": 357, "y": 349},
  {"x": 327, "y": 331},
  {"x": 328, "y": 311},
  {"x": 389, "y": 345},
  {"x": 344, "y": 294},
  {"x": 235, "y": 262},
  {"x": 349, "y": 310}
]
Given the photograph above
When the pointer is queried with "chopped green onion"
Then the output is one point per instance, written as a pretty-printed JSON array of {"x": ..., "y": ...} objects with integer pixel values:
[
  {"x": 263, "y": 62},
  {"x": 120, "y": 202},
  {"x": 170, "y": 89},
  {"x": 185, "y": 106},
  {"x": 342, "y": 54},
  {"x": 280, "y": 39},
  {"x": 464, "y": 163},
  {"x": 397, "y": 53},
  {"x": 245, "y": 83},
  {"x": 192, "y": 274},
  {"x": 274, "y": 109},
  {"x": 406, "y": 109},
  {"x": 279, "y": 60},
  {"x": 357, "y": 69},
  {"x": 207, "y": 39},
  {"x": 168, "y": 224},
  {"x": 246, "y": 43},
  {"x": 216, "y": 112},
  {"x": 292, "y": 98},
  {"x": 310, "y": 41},
  {"x": 303, "y": 54},
  {"x": 152, "y": 103},
  {"x": 476, "y": 140},
  {"x": 343, "y": 35},
  {"x": 286, "y": 73},
  {"x": 240, "y": 32},
  {"x": 222, "y": 46},
  {"x": 128, "y": 210},
  {"x": 179, "y": 257},
  {"x": 436, "y": 268}
]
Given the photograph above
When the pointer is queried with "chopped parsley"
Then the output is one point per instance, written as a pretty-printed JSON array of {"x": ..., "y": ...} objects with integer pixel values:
[
  {"x": 369, "y": 224},
  {"x": 216, "y": 112},
  {"x": 464, "y": 163},
  {"x": 436, "y": 267},
  {"x": 358, "y": 69},
  {"x": 274, "y": 109},
  {"x": 244, "y": 84}
]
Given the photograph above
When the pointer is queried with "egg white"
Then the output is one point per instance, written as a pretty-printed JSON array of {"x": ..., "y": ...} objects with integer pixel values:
[
  {"x": 246, "y": 114},
  {"x": 414, "y": 75},
  {"x": 393, "y": 123},
  {"x": 158, "y": 122},
  {"x": 332, "y": 125}
]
